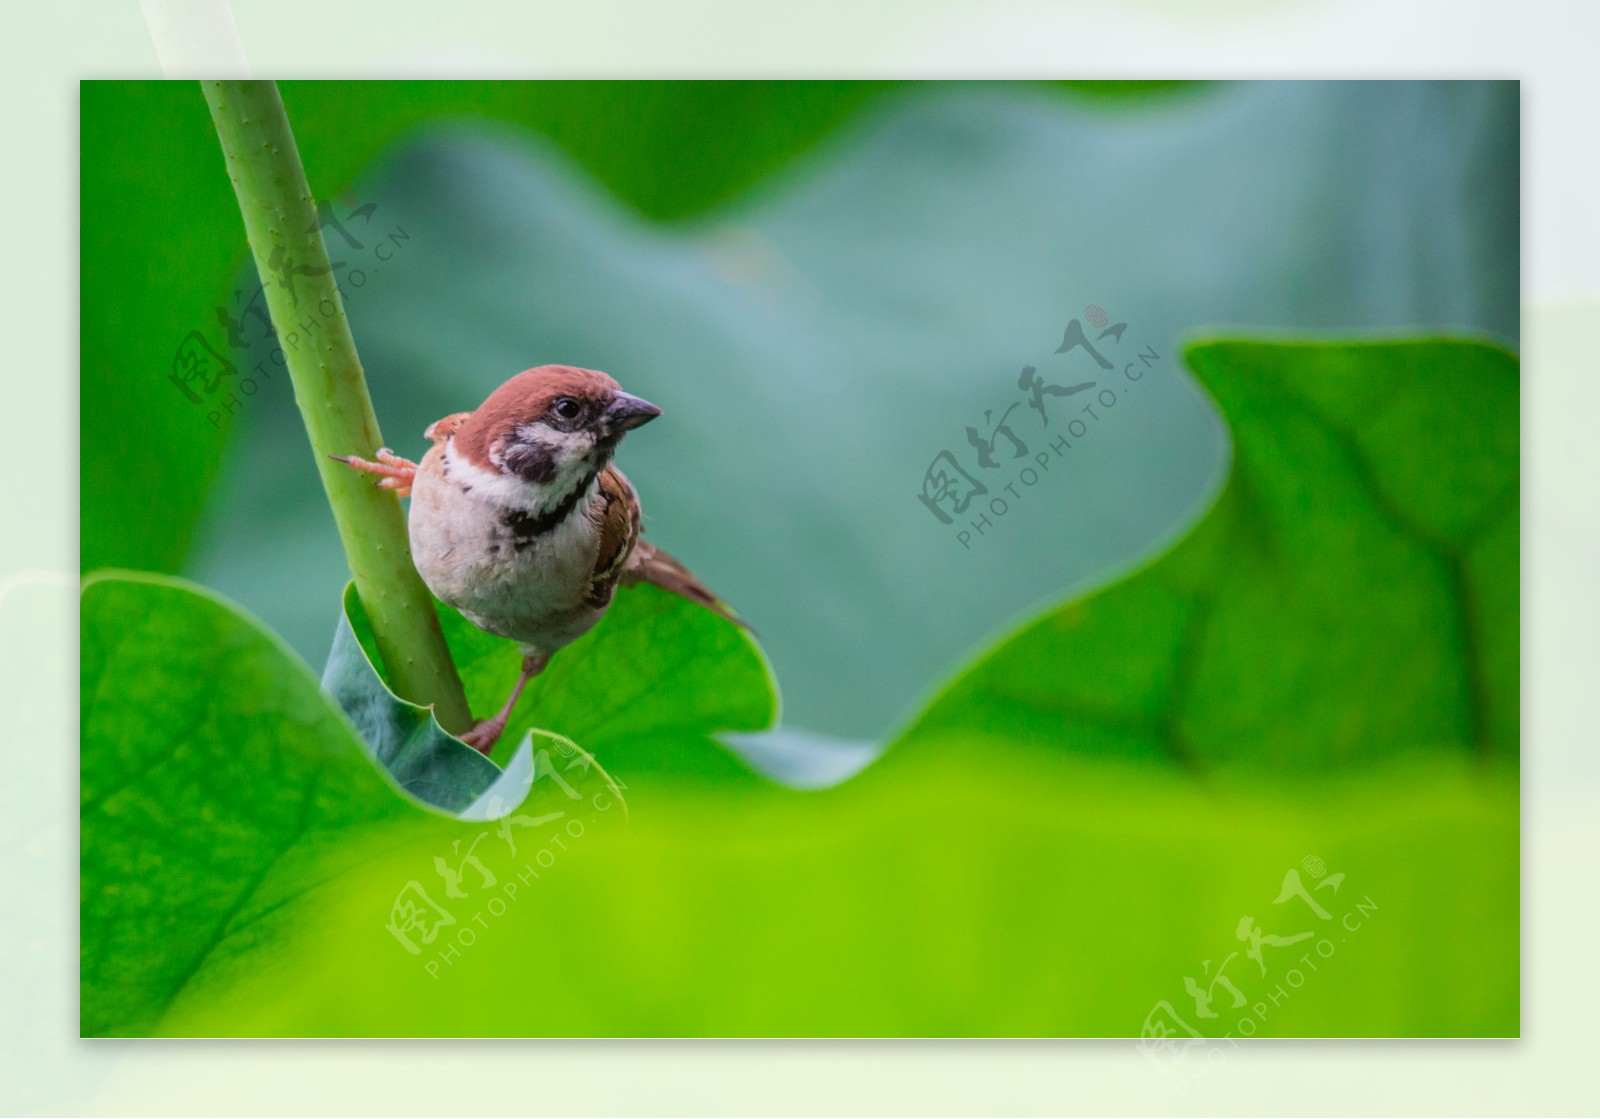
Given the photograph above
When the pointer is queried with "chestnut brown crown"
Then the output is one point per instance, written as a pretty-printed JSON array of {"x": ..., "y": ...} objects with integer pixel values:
[{"x": 551, "y": 421}]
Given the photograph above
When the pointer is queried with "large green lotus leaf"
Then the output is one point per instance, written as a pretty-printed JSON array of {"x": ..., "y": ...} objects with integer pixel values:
[
  {"x": 252, "y": 873},
  {"x": 817, "y": 343},
  {"x": 647, "y": 688},
  {"x": 1355, "y": 585},
  {"x": 979, "y": 892},
  {"x": 969, "y": 882},
  {"x": 225, "y": 799}
]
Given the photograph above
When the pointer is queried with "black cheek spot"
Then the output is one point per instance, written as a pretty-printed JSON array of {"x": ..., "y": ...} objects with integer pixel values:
[{"x": 532, "y": 464}]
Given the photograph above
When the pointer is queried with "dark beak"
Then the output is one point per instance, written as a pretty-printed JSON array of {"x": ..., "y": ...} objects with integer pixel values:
[{"x": 627, "y": 412}]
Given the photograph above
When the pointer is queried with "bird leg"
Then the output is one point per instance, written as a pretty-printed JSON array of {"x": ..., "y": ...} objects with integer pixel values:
[
  {"x": 394, "y": 472},
  {"x": 488, "y": 731}
]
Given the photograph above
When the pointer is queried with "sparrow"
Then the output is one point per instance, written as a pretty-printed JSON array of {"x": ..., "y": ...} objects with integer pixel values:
[{"x": 520, "y": 521}]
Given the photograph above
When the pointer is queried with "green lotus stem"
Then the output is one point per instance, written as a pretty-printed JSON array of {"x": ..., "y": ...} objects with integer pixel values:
[{"x": 280, "y": 219}]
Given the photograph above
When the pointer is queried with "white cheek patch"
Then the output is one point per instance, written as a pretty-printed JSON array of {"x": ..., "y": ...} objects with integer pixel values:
[{"x": 490, "y": 485}]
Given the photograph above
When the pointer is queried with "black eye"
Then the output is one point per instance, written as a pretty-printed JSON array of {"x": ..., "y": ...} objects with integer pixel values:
[{"x": 567, "y": 408}]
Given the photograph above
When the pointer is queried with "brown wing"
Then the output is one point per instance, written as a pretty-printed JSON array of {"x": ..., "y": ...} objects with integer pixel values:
[
  {"x": 649, "y": 564},
  {"x": 619, "y": 532},
  {"x": 440, "y": 430}
]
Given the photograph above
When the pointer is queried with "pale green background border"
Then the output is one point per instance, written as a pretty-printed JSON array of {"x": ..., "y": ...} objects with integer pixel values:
[{"x": 44, "y": 1069}]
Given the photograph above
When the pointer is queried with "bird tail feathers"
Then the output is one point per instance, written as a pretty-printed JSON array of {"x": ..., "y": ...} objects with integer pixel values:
[{"x": 649, "y": 564}]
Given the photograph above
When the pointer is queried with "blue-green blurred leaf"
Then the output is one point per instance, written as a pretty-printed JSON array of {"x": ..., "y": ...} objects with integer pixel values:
[{"x": 423, "y": 758}]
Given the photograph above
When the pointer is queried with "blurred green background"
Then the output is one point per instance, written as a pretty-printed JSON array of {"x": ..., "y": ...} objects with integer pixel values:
[{"x": 824, "y": 285}]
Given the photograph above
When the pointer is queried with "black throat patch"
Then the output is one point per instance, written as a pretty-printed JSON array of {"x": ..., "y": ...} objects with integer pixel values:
[{"x": 525, "y": 527}]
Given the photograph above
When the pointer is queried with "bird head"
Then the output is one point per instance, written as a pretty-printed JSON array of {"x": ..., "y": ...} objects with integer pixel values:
[{"x": 551, "y": 426}]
